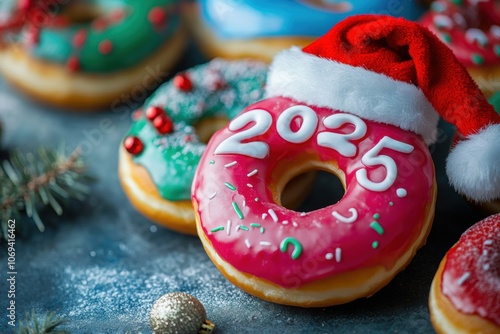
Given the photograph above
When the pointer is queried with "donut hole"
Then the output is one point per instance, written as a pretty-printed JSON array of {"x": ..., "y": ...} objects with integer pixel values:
[
  {"x": 206, "y": 127},
  {"x": 312, "y": 190}
]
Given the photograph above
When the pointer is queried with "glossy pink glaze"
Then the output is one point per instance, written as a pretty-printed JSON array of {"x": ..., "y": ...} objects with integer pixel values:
[
  {"x": 471, "y": 276},
  {"x": 319, "y": 233}
]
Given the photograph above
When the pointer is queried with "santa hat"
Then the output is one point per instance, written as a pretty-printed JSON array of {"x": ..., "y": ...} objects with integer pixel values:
[{"x": 395, "y": 71}]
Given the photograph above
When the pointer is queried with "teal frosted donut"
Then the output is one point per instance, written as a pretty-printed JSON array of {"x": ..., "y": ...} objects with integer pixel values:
[
  {"x": 161, "y": 151},
  {"x": 85, "y": 53},
  {"x": 260, "y": 28}
]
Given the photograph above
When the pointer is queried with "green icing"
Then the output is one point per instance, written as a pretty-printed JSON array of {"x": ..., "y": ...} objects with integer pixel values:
[
  {"x": 495, "y": 102},
  {"x": 133, "y": 38},
  {"x": 171, "y": 159}
]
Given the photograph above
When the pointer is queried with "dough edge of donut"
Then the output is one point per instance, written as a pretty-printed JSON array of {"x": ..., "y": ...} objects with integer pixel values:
[
  {"x": 311, "y": 295},
  {"x": 145, "y": 198},
  {"x": 447, "y": 319},
  {"x": 262, "y": 49}
]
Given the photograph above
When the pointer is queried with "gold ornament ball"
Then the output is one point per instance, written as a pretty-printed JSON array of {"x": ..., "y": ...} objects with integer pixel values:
[{"x": 177, "y": 313}]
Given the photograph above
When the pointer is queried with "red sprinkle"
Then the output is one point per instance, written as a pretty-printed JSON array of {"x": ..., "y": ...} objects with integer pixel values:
[
  {"x": 133, "y": 145},
  {"x": 25, "y": 4},
  {"x": 183, "y": 83},
  {"x": 73, "y": 64},
  {"x": 116, "y": 15},
  {"x": 105, "y": 47},
  {"x": 33, "y": 36},
  {"x": 136, "y": 115},
  {"x": 153, "y": 112},
  {"x": 80, "y": 38},
  {"x": 157, "y": 16},
  {"x": 99, "y": 24},
  {"x": 163, "y": 124}
]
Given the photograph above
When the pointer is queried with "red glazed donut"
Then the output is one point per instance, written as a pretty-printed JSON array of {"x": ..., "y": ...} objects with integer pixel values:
[
  {"x": 471, "y": 28},
  {"x": 465, "y": 293},
  {"x": 329, "y": 256}
]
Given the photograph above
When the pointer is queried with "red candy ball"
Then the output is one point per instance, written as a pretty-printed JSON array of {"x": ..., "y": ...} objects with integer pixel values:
[
  {"x": 183, "y": 82},
  {"x": 133, "y": 145},
  {"x": 73, "y": 64},
  {"x": 157, "y": 16},
  {"x": 105, "y": 47},
  {"x": 153, "y": 112},
  {"x": 163, "y": 124}
]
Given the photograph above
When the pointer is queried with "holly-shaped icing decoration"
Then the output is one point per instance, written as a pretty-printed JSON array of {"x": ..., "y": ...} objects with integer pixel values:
[{"x": 179, "y": 312}]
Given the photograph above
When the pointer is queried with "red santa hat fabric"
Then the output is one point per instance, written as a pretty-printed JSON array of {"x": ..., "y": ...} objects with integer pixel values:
[{"x": 395, "y": 71}]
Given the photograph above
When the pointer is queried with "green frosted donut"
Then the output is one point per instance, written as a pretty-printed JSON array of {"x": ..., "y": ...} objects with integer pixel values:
[
  {"x": 113, "y": 34},
  {"x": 171, "y": 149}
]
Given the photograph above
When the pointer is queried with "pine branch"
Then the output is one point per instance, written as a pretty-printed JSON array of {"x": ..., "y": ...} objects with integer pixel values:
[
  {"x": 29, "y": 182},
  {"x": 44, "y": 324}
]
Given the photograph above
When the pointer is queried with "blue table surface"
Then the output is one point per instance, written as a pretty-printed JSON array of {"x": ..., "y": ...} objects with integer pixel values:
[{"x": 102, "y": 265}]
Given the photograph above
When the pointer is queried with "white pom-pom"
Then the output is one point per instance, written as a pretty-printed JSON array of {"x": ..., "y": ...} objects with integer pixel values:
[{"x": 473, "y": 166}]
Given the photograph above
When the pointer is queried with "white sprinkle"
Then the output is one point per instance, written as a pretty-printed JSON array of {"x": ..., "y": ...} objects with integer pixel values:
[
  {"x": 176, "y": 155},
  {"x": 486, "y": 266},
  {"x": 244, "y": 203},
  {"x": 302, "y": 214},
  {"x": 284, "y": 222},
  {"x": 316, "y": 223},
  {"x": 231, "y": 164},
  {"x": 463, "y": 278},
  {"x": 273, "y": 215},
  {"x": 252, "y": 173},
  {"x": 338, "y": 254},
  {"x": 228, "y": 230},
  {"x": 295, "y": 224},
  {"x": 344, "y": 219},
  {"x": 329, "y": 256},
  {"x": 92, "y": 253},
  {"x": 400, "y": 192},
  {"x": 488, "y": 242},
  {"x": 153, "y": 228},
  {"x": 256, "y": 199},
  {"x": 247, "y": 243},
  {"x": 485, "y": 252},
  {"x": 212, "y": 196},
  {"x": 249, "y": 185},
  {"x": 264, "y": 215},
  {"x": 265, "y": 243}
]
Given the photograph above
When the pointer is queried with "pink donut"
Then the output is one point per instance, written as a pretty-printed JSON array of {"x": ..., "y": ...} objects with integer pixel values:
[
  {"x": 465, "y": 292},
  {"x": 328, "y": 256}
]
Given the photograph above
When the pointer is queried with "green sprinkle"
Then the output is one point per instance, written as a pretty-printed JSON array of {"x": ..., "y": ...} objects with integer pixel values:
[
  {"x": 477, "y": 59},
  {"x": 496, "y": 49},
  {"x": 391, "y": 203},
  {"x": 242, "y": 227},
  {"x": 254, "y": 225},
  {"x": 237, "y": 210},
  {"x": 262, "y": 230},
  {"x": 375, "y": 244},
  {"x": 377, "y": 227},
  {"x": 376, "y": 216},
  {"x": 212, "y": 162},
  {"x": 446, "y": 38},
  {"x": 217, "y": 229},
  {"x": 457, "y": 2},
  {"x": 229, "y": 185},
  {"x": 297, "y": 247}
]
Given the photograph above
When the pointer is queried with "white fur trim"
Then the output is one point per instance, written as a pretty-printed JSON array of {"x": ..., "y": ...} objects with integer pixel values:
[
  {"x": 325, "y": 83},
  {"x": 473, "y": 166}
]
